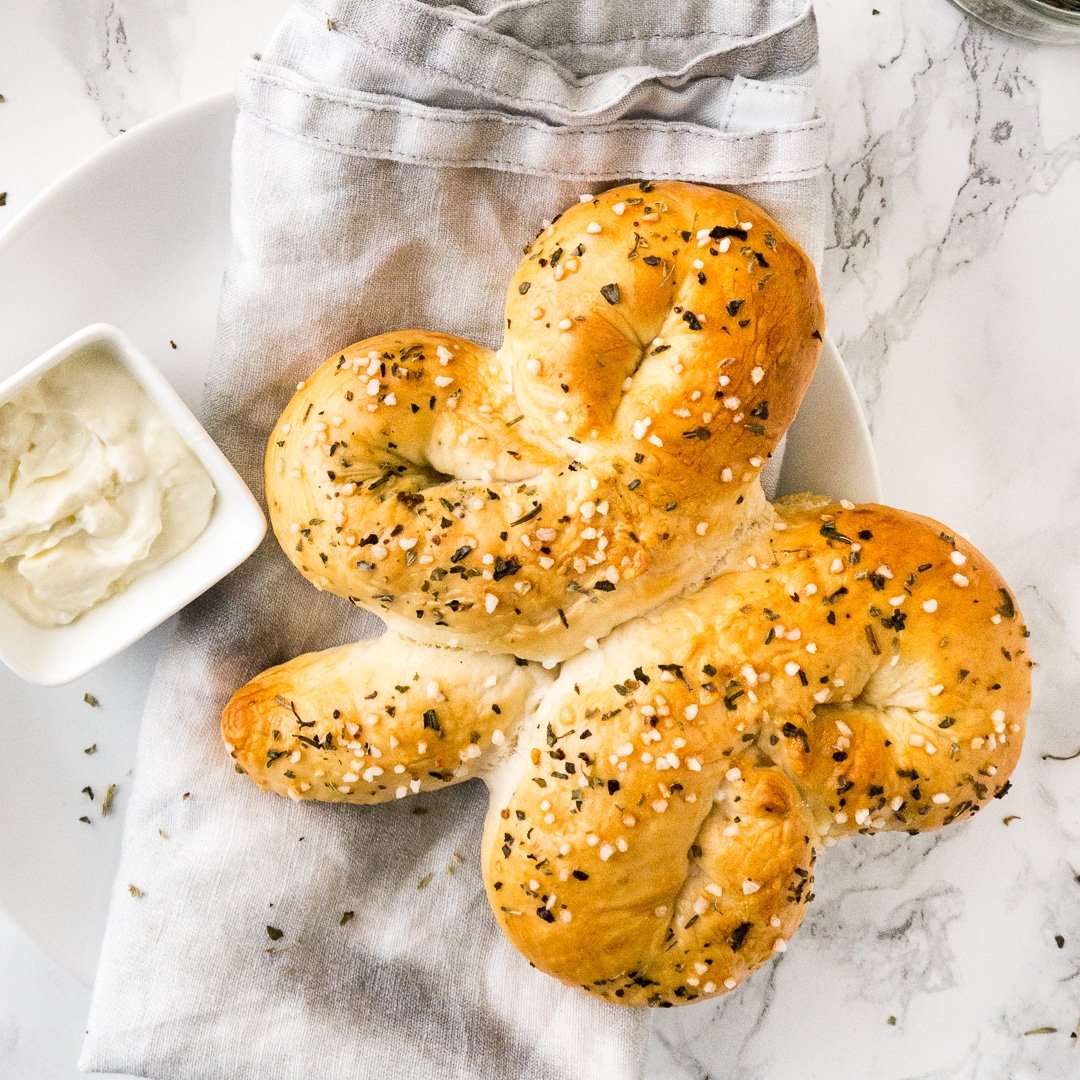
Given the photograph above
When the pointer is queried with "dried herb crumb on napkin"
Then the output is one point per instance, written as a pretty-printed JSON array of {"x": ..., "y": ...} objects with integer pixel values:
[{"x": 386, "y": 174}]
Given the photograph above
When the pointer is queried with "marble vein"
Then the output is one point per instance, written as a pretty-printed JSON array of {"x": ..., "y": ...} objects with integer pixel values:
[{"x": 955, "y": 189}]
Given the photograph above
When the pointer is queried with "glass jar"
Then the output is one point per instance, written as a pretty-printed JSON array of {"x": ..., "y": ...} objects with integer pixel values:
[{"x": 1053, "y": 21}]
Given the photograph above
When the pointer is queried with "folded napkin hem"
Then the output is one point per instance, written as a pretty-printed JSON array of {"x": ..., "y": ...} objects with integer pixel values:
[{"x": 381, "y": 126}]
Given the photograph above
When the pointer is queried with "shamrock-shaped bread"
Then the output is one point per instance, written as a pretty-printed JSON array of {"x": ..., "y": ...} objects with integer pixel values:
[{"x": 724, "y": 686}]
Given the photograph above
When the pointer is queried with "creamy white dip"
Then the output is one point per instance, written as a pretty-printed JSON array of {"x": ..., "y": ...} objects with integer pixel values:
[{"x": 96, "y": 489}]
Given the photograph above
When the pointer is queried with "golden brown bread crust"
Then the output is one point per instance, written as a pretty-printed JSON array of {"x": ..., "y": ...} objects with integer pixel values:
[
  {"x": 652, "y": 837},
  {"x": 659, "y": 339},
  {"x": 657, "y": 803},
  {"x": 864, "y": 659}
]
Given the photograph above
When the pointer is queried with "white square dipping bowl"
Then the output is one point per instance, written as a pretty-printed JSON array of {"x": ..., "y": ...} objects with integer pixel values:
[{"x": 54, "y": 655}]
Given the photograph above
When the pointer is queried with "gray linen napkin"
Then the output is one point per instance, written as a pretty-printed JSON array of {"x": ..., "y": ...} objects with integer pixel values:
[{"x": 391, "y": 159}]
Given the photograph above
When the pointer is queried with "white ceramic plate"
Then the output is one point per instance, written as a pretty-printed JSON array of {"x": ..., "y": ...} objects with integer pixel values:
[{"x": 137, "y": 237}]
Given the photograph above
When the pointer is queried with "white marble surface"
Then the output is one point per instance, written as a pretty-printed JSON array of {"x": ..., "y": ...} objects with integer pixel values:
[{"x": 951, "y": 286}]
